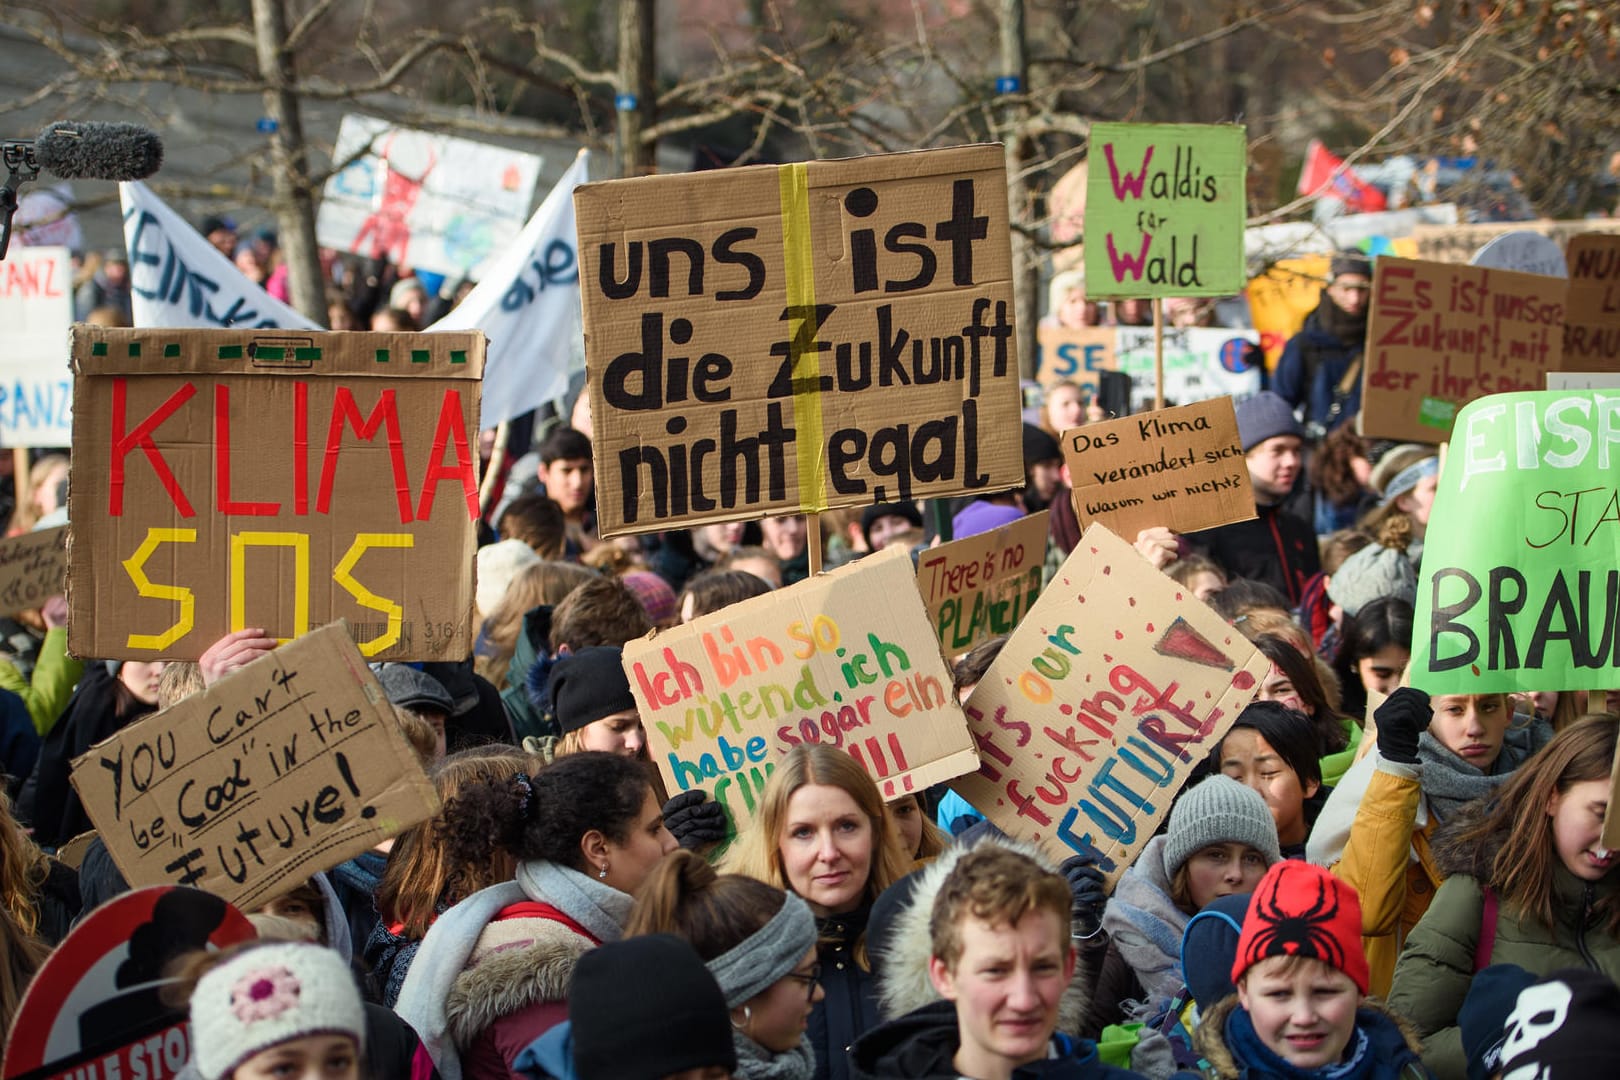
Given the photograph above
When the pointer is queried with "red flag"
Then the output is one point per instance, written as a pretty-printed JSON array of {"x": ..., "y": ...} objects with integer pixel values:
[{"x": 1316, "y": 178}]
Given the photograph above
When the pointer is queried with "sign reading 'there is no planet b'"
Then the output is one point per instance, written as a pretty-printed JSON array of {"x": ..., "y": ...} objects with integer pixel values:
[{"x": 1165, "y": 210}]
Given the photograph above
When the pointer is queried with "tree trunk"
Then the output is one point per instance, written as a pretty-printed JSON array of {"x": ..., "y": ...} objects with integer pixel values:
[
  {"x": 1026, "y": 267},
  {"x": 289, "y": 172},
  {"x": 637, "y": 105}
]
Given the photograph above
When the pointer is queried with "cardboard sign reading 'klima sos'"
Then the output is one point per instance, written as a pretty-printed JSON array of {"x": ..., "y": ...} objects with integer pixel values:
[
  {"x": 273, "y": 479},
  {"x": 846, "y": 659},
  {"x": 1441, "y": 335},
  {"x": 1113, "y": 688},
  {"x": 1520, "y": 584},
  {"x": 287, "y": 767},
  {"x": 798, "y": 337},
  {"x": 979, "y": 587},
  {"x": 1592, "y": 327},
  {"x": 1181, "y": 468},
  {"x": 1165, "y": 210}
]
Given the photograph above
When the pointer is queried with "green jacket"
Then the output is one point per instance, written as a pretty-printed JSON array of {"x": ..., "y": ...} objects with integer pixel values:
[
  {"x": 1438, "y": 964},
  {"x": 55, "y": 675}
]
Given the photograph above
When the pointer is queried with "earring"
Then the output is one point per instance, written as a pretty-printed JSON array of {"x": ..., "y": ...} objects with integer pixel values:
[
  {"x": 603, "y": 874},
  {"x": 748, "y": 1018}
]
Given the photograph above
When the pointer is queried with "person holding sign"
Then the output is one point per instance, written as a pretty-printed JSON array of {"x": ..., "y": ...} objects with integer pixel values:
[
  {"x": 1433, "y": 757},
  {"x": 824, "y": 833},
  {"x": 1278, "y": 545},
  {"x": 492, "y": 973},
  {"x": 1528, "y": 882}
]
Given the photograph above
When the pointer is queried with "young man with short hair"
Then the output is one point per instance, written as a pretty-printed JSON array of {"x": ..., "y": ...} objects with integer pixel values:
[
  {"x": 569, "y": 479},
  {"x": 1001, "y": 960}
]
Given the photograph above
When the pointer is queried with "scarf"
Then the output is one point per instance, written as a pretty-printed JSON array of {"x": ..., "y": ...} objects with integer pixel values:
[
  {"x": 1332, "y": 319},
  {"x": 1449, "y": 782},
  {"x": 1258, "y": 1059},
  {"x": 1146, "y": 926},
  {"x": 754, "y": 1062},
  {"x": 445, "y": 951}
]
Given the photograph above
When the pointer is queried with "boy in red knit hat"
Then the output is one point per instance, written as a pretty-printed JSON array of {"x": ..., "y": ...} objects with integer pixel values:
[{"x": 1301, "y": 1007}]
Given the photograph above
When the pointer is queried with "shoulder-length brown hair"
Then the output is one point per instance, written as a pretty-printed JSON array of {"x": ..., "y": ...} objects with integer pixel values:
[
  {"x": 1521, "y": 872},
  {"x": 758, "y": 851}
]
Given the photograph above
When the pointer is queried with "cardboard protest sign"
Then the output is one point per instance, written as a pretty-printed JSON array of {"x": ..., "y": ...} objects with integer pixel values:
[
  {"x": 36, "y": 309},
  {"x": 1113, "y": 688},
  {"x": 33, "y": 568},
  {"x": 980, "y": 587},
  {"x": 226, "y": 479},
  {"x": 1166, "y": 206},
  {"x": 799, "y": 337},
  {"x": 1530, "y": 599},
  {"x": 1592, "y": 324},
  {"x": 1199, "y": 363},
  {"x": 1440, "y": 335},
  {"x": 1069, "y": 355},
  {"x": 422, "y": 199},
  {"x": 846, "y": 658},
  {"x": 1181, "y": 468},
  {"x": 96, "y": 1010},
  {"x": 289, "y": 766}
]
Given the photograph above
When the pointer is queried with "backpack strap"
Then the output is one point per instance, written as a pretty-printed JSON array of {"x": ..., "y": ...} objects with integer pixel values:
[{"x": 1487, "y": 931}]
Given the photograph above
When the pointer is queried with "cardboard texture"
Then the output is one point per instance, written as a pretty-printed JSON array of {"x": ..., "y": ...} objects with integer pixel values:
[
  {"x": 1441, "y": 335},
  {"x": 1369, "y": 724},
  {"x": 1181, "y": 468},
  {"x": 1113, "y": 688},
  {"x": 1583, "y": 380},
  {"x": 1592, "y": 322},
  {"x": 980, "y": 587},
  {"x": 847, "y": 659},
  {"x": 95, "y": 1010},
  {"x": 1532, "y": 598},
  {"x": 780, "y": 338},
  {"x": 1165, "y": 210},
  {"x": 276, "y": 479},
  {"x": 289, "y": 766},
  {"x": 33, "y": 568},
  {"x": 36, "y": 309},
  {"x": 1459, "y": 243},
  {"x": 1068, "y": 355}
]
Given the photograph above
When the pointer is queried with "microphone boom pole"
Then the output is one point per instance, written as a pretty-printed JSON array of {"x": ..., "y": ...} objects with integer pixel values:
[{"x": 21, "y": 166}]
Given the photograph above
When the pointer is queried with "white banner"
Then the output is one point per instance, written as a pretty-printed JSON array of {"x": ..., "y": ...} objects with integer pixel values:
[
  {"x": 1199, "y": 363},
  {"x": 178, "y": 279},
  {"x": 423, "y": 200},
  {"x": 36, "y": 383},
  {"x": 528, "y": 305}
]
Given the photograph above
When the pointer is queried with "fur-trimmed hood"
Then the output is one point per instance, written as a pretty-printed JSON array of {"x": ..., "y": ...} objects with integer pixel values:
[
  {"x": 517, "y": 963},
  {"x": 901, "y": 947},
  {"x": 1390, "y": 1034}
]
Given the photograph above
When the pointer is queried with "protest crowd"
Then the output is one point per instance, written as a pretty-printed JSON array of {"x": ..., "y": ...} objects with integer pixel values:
[{"x": 1344, "y": 870}]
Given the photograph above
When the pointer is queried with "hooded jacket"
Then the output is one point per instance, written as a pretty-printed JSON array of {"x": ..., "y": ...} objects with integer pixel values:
[
  {"x": 922, "y": 1045},
  {"x": 1441, "y": 955},
  {"x": 1393, "y": 1046}
]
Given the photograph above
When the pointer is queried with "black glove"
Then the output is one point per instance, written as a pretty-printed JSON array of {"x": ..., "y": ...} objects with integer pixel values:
[
  {"x": 1086, "y": 886},
  {"x": 1401, "y": 719},
  {"x": 695, "y": 822}
]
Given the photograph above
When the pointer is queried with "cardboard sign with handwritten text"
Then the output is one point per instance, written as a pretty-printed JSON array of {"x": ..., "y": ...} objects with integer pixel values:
[
  {"x": 1180, "y": 467},
  {"x": 979, "y": 587},
  {"x": 1113, "y": 688},
  {"x": 1165, "y": 210},
  {"x": 289, "y": 766},
  {"x": 1440, "y": 335},
  {"x": 1070, "y": 355},
  {"x": 33, "y": 568},
  {"x": 799, "y": 337},
  {"x": 846, "y": 659},
  {"x": 1592, "y": 326}
]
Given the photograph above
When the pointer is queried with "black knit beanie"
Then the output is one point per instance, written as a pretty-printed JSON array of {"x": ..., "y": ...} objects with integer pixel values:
[
  {"x": 588, "y": 685},
  {"x": 644, "y": 1008}
]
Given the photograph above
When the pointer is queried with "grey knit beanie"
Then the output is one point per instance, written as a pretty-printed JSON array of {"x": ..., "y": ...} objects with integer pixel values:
[
  {"x": 1218, "y": 811},
  {"x": 1370, "y": 574}
]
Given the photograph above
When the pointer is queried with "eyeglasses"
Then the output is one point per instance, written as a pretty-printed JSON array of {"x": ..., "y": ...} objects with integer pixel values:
[{"x": 809, "y": 978}]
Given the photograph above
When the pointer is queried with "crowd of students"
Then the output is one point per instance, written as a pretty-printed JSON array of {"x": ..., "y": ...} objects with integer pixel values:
[{"x": 1425, "y": 895}]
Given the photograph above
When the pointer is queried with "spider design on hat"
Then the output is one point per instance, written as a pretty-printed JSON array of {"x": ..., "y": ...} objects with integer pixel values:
[{"x": 1297, "y": 933}]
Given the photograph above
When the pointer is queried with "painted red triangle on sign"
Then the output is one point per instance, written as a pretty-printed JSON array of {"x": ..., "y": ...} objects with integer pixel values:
[{"x": 1182, "y": 642}]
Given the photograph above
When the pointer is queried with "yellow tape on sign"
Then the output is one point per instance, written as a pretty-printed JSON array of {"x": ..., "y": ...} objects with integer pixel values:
[{"x": 799, "y": 264}]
